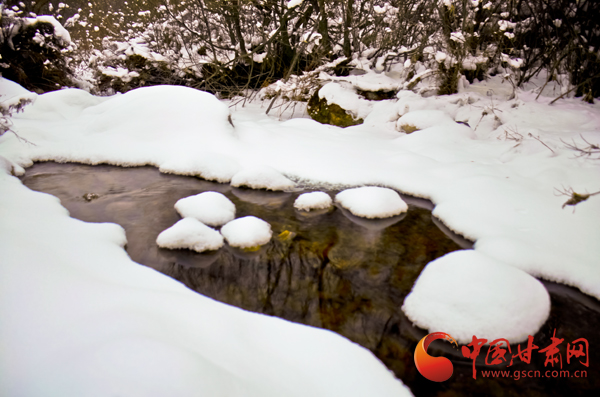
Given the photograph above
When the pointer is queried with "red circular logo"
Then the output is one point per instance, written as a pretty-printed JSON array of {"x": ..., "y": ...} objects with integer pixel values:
[{"x": 437, "y": 369}]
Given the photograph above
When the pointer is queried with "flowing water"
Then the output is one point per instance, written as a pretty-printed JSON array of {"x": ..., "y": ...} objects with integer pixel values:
[{"x": 326, "y": 269}]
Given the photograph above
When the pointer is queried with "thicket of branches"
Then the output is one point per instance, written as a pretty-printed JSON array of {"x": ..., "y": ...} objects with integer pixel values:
[{"x": 229, "y": 46}]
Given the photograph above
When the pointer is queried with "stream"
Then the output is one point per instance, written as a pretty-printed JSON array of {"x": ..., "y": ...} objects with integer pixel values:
[{"x": 326, "y": 269}]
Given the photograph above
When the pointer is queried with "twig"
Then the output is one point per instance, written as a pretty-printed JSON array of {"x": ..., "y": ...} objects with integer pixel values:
[
  {"x": 573, "y": 88},
  {"x": 590, "y": 150},
  {"x": 271, "y": 104},
  {"x": 540, "y": 141},
  {"x": 574, "y": 198}
]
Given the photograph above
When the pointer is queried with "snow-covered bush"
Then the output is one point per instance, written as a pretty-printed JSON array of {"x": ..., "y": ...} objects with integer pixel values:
[
  {"x": 563, "y": 38},
  {"x": 32, "y": 51},
  {"x": 122, "y": 66}
]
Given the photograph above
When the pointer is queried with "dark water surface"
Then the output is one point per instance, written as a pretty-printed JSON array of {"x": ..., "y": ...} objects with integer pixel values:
[{"x": 327, "y": 269}]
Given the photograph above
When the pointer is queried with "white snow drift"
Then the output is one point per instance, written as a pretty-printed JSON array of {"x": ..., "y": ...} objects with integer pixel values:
[
  {"x": 210, "y": 166},
  {"x": 162, "y": 125},
  {"x": 313, "y": 201},
  {"x": 247, "y": 232},
  {"x": 372, "y": 202},
  {"x": 189, "y": 233},
  {"x": 465, "y": 294},
  {"x": 261, "y": 178},
  {"x": 210, "y": 208},
  {"x": 421, "y": 119}
]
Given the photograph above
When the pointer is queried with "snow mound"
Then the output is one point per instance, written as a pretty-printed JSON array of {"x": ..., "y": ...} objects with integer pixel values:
[
  {"x": 149, "y": 125},
  {"x": 211, "y": 208},
  {"x": 261, "y": 178},
  {"x": 313, "y": 201},
  {"x": 247, "y": 232},
  {"x": 190, "y": 233},
  {"x": 63, "y": 104},
  {"x": 422, "y": 119},
  {"x": 11, "y": 93},
  {"x": 372, "y": 202},
  {"x": 210, "y": 166},
  {"x": 465, "y": 293}
]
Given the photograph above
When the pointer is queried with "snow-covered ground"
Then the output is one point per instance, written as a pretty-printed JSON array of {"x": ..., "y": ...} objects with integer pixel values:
[{"x": 77, "y": 312}]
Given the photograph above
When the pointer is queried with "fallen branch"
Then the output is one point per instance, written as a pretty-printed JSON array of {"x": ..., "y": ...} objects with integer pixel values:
[{"x": 574, "y": 197}]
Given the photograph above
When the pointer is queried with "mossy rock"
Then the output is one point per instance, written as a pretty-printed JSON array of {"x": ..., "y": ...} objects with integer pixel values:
[
  {"x": 319, "y": 110},
  {"x": 408, "y": 128}
]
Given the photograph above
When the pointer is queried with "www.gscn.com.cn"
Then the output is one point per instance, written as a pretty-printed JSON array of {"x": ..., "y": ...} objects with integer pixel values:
[{"x": 534, "y": 374}]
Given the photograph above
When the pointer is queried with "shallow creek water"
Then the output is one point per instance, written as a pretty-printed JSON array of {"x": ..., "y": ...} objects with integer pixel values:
[{"x": 326, "y": 269}]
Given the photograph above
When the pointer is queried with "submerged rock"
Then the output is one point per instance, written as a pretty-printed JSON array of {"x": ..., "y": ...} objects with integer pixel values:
[
  {"x": 189, "y": 233},
  {"x": 372, "y": 202},
  {"x": 313, "y": 201},
  {"x": 248, "y": 232},
  {"x": 210, "y": 208}
]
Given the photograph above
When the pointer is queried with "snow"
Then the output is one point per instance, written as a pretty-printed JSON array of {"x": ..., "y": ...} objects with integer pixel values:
[
  {"x": 135, "y": 46},
  {"x": 247, "y": 232},
  {"x": 470, "y": 62},
  {"x": 11, "y": 93},
  {"x": 373, "y": 81},
  {"x": 7, "y": 166},
  {"x": 458, "y": 37},
  {"x": 372, "y": 202},
  {"x": 495, "y": 180},
  {"x": 259, "y": 58},
  {"x": 342, "y": 90},
  {"x": 129, "y": 129},
  {"x": 59, "y": 31},
  {"x": 211, "y": 208},
  {"x": 514, "y": 62},
  {"x": 122, "y": 73},
  {"x": 344, "y": 95},
  {"x": 207, "y": 165},
  {"x": 294, "y": 3},
  {"x": 79, "y": 318},
  {"x": 466, "y": 293},
  {"x": 313, "y": 201},
  {"x": 422, "y": 119},
  {"x": 189, "y": 233},
  {"x": 261, "y": 177}
]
